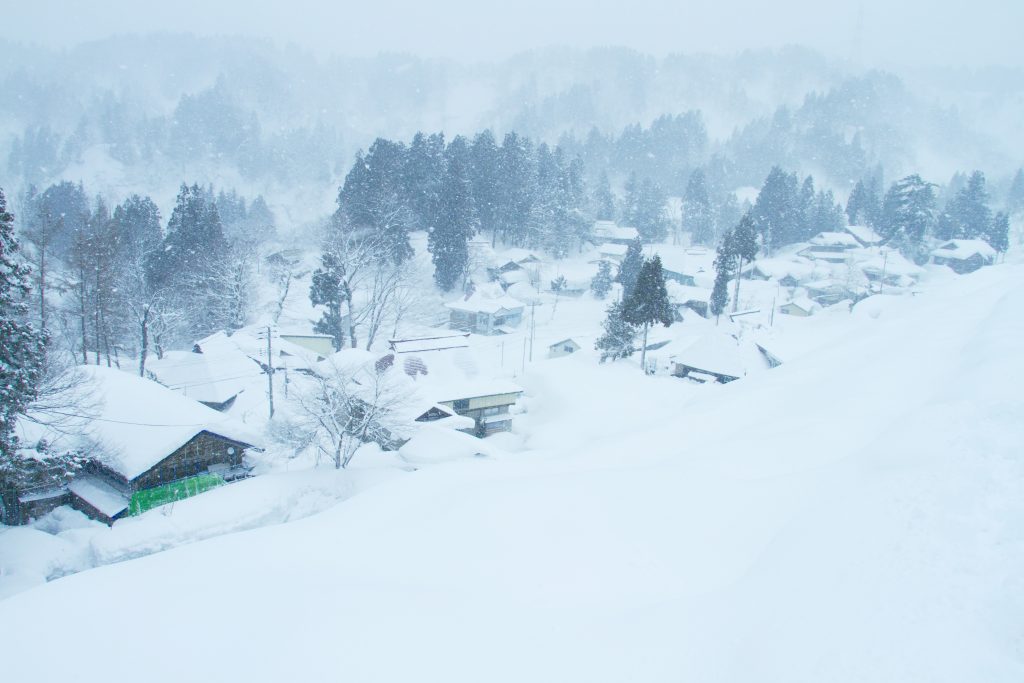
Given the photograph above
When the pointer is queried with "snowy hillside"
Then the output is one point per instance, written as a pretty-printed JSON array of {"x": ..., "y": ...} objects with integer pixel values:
[{"x": 853, "y": 515}]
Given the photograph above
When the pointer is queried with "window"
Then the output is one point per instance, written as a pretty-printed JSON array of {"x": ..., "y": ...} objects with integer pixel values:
[{"x": 461, "y": 404}]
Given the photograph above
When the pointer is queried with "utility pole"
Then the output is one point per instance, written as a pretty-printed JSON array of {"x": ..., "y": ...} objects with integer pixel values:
[
  {"x": 885, "y": 262},
  {"x": 533, "y": 325},
  {"x": 270, "y": 374}
]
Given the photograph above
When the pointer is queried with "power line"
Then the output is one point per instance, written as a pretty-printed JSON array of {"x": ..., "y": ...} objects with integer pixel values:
[{"x": 125, "y": 422}]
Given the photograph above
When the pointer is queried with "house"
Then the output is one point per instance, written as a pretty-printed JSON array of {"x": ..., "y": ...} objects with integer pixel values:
[
  {"x": 865, "y": 236},
  {"x": 890, "y": 268},
  {"x": 675, "y": 267},
  {"x": 148, "y": 445},
  {"x": 608, "y": 231},
  {"x": 788, "y": 273},
  {"x": 487, "y": 403},
  {"x": 612, "y": 252},
  {"x": 696, "y": 299},
  {"x": 714, "y": 358},
  {"x": 563, "y": 348},
  {"x": 481, "y": 315},
  {"x": 827, "y": 292},
  {"x": 830, "y": 246},
  {"x": 515, "y": 261},
  {"x": 801, "y": 307},
  {"x": 964, "y": 256}
]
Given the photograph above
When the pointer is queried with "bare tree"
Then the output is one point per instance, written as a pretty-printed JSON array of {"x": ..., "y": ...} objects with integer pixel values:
[{"x": 347, "y": 407}]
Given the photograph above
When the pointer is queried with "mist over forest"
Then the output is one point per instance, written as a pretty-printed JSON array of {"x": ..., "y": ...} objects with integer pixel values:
[{"x": 145, "y": 113}]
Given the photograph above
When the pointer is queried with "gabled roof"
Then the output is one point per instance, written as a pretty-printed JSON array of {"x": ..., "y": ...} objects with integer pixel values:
[
  {"x": 213, "y": 377},
  {"x": 480, "y": 304},
  {"x": 610, "y": 231},
  {"x": 865, "y": 235},
  {"x": 714, "y": 353},
  {"x": 834, "y": 239},
  {"x": 965, "y": 249},
  {"x": 613, "y": 249},
  {"x": 136, "y": 422}
]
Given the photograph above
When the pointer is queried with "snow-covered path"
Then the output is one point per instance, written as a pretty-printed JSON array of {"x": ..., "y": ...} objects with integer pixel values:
[{"x": 854, "y": 515}]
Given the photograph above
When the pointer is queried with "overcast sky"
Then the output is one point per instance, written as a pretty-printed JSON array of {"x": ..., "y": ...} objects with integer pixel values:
[{"x": 909, "y": 32}]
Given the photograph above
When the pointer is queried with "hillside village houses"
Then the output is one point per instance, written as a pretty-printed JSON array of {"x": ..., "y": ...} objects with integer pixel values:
[{"x": 830, "y": 246}]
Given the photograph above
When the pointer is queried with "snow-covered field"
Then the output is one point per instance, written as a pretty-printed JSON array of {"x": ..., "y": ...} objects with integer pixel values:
[{"x": 853, "y": 515}]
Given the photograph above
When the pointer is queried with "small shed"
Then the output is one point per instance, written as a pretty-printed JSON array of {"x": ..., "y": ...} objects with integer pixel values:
[{"x": 565, "y": 347}]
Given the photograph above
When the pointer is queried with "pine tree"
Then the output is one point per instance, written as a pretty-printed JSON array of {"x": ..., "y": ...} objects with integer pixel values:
[
  {"x": 260, "y": 222},
  {"x": 648, "y": 303},
  {"x": 485, "y": 180},
  {"x": 806, "y": 225},
  {"x": 908, "y": 213},
  {"x": 720, "y": 291},
  {"x": 373, "y": 199},
  {"x": 604, "y": 199},
  {"x": 601, "y": 283},
  {"x": 516, "y": 190},
  {"x": 21, "y": 349},
  {"x": 629, "y": 269},
  {"x": 998, "y": 234},
  {"x": 328, "y": 290},
  {"x": 743, "y": 247},
  {"x": 855, "y": 205},
  {"x": 618, "y": 340},
  {"x": 776, "y": 211},
  {"x": 645, "y": 209},
  {"x": 698, "y": 216},
  {"x": 967, "y": 215},
  {"x": 1015, "y": 197},
  {"x": 448, "y": 240},
  {"x": 423, "y": 175}
]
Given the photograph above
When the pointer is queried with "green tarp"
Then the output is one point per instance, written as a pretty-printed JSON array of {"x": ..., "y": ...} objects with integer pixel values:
[{"x": 168, "y": 493}]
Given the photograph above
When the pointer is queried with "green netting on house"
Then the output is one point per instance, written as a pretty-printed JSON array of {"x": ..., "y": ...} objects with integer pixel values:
[{"x": 176, "y": 490}]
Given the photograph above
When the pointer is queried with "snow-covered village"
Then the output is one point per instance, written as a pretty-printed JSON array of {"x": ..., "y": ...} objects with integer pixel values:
[{"x": 590, "y": 351}]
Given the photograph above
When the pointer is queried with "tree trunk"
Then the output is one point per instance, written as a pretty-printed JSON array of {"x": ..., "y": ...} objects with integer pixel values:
[
  {"x": 42, "y": 288},
  {"x": 337, "y": 454},
  {"x": 643, "y": 351},
  {"x": 143, "y": 341},
  {"x": 736, "y": 295},
  {"x": 83, "y": 316},
  {"x": 351, "y": 317}
]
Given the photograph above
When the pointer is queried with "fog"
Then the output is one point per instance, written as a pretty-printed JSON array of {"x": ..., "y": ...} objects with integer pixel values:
[{"x": 873, "y": 32}]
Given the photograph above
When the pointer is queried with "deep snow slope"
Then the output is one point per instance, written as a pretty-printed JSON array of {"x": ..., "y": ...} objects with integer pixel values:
[{"x": 855, "y": 515}]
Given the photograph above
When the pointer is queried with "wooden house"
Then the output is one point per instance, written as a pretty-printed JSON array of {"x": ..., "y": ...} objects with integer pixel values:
[
  {"x": 482, "y": 315},
  {"x": 964, "y": 256},
  {"x": 833, "y": 247},
  {"x": 714, "y": 358},
  {"x": 611, "y": 233},
  {"x": 486, "y": 403},
  {"x": 148, "y": 444}
]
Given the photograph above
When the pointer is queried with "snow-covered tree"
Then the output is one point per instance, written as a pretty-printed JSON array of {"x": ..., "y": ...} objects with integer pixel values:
[
  {"x": 456, "y": 222},
  {"x": 629, "y": 268},
  {"x": 998, "y": 234},
  {"x": 698, "y": 216},
  {"x": 908, "y": 212},
  {"x": 967, "y": 214},
  {"x": 776, "y": 213},
  {"x": 22, "y": 346},
  {"x": 648, "y": 303},
  {"x": 601, "y": 283},
  {"x": 604, "y": 199},
  {"x": 619, "y": 337},
  {"x": 1015, "y": 197}
]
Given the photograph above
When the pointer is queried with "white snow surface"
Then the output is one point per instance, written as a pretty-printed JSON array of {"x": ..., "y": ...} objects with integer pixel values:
[{"x": 853, "y": 515}]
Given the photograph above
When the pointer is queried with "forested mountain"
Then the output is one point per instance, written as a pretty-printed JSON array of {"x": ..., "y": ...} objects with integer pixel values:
[{"x": 139, "y": 113}]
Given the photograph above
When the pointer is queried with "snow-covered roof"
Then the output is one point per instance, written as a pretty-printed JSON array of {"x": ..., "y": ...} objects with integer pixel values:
[
  {"x": 439, "y": 444},
  {"x": 455, "y": 374},
  {"x": 893, "y": 263},
  {"x": 681, "y": 294},
  {"x": 778, "y": 269},
  {"x": 610, "y": 231},
  {"x": 965, "y": 249},
  {"x": 138, "y": 422},
  {"x": 834, "y": 239},
  {"x": 613, "y": 249},
  {"x": 212, "y": 377},
  {"x": 714, "y": 353},
  {"x": 101, "y": 495},
  {"x": 480, "y": 304},
  {"x": 801, "y": 302},
  {"x": 865, "y": 235}
]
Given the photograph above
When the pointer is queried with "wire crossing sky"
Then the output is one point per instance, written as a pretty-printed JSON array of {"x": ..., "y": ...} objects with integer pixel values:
[{"x": 873, "y": 32}]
